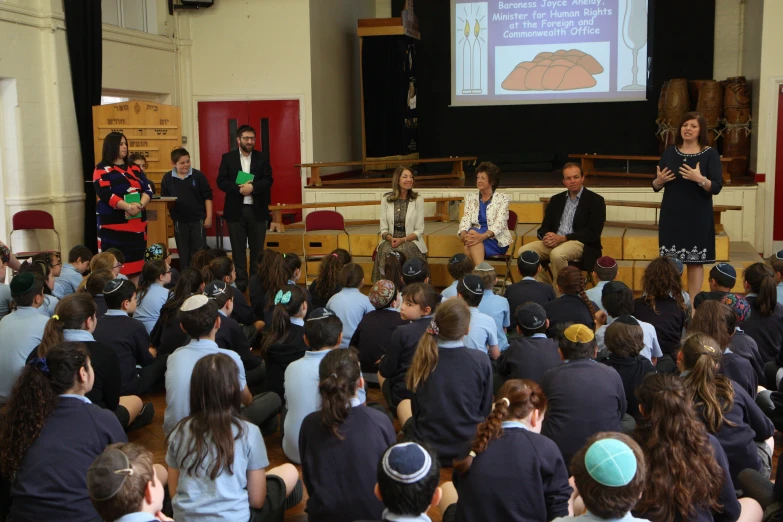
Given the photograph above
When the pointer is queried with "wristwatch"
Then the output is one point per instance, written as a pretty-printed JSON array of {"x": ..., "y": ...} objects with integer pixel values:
[{"x": 703, "y": 183}]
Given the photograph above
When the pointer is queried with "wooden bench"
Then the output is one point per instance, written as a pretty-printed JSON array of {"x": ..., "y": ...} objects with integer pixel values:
[
  {"x": 457, "y": 171},
  {"x": 588, "y": 165}
]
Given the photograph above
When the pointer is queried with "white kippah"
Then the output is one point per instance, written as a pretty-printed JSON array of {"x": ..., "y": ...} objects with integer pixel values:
[{"x": 194, "y": 303}]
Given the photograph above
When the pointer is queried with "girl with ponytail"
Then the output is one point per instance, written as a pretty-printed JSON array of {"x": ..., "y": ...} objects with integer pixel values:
[
  {"x": 764, "y": 324},
  {"x": 727, "y": 411},
  {"x": 167, "y": 335},
  {"x": 284, "y": 343},
  {"x": 50, "y": 435},
  {"x": 534, "y": 485},
  {"x": 74, "y": 320},
  {"x": 341, "y": 444},
  {"x": 573, "y": 304},
  {"x": 450, "y": 385}
]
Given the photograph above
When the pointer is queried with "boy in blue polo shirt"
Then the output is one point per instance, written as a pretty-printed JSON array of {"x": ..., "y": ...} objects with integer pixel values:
[
  {"x": 192, "y": 214},
  {"x": 605, "y": 271},
  {"x": 72, "y": 272},
  {"x": 483, "y": 333},
  {"x": 459, "y": 266},
  {"x": 493, "y": 305}
]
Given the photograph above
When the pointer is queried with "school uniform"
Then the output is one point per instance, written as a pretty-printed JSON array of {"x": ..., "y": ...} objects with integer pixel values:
[
  {"x": 743, "y": 345},
  {"x": 739, "y": 370},
  {"x": 394, "y": 365},
  {"x": 170, "y": 286},
  {"x": 766, "y": 331},
  {"x": 242, "y": 313},
  {"x": 595, "y": 294},
  {"x": 100, "y": 305},
  {"x": 669, "y": 322},
  {"x": 528, "y": 289},
  {"x": 5, "y": 300},
  {"x": 129, "y": 340},
  {"x": 373, "y": 335},
  {"x": 231, "y": 337},
  {"x": 454, "y": 399},
  {"x": 340, "y": 474},
  {"x": 21, "y": 331},
  {"x": 320, "y": 299},
  {"x": 282, "y": 354},
  {"x": 68, "y": 281},
  {"x": 482, "y": 333},
  {"x": 529, "y": 358},
  {"x": 51, "y": 483},
  {"x": 699, "y": 298},
  {"x": 738, "y": 441},
  {"x": 651, "y": 346},
  {"x": 632, "y": 371},
  {"x": 497, "y": 308},
  {"x": 168, "y": 337},
  {"x": 48, "y": 306},
  {"x": 179, "y": 369},
  {"x": 189, "y": 212},
  {"x": 532, "y": 486},
  {"x": 584, "y": 398},
  {"x": 257, "y": 294},
  {"x": 149, "y": 307},
  {"x": 350, "y": 305},
  {"x": 451, "y": 290},
  {"x": 568, "y": 309}
]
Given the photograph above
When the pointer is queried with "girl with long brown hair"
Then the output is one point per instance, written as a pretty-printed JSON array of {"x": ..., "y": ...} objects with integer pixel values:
[
  {"x": 50, "y": 435},
  {"x": 688, "y": 474},
  {"x": 764, "y": 324},
  {"x": 341, "y": 444},
  {"x": 450, "y": 385},
  {"x": 223, "y": 269},
  {"x": 167, "y": 336},
  {"x": 572, "y": 306},
  {"x": 216, "y": 450},
  {"x": 534, "y": 485},
  {"x": 727, "y": 411},
  {"x": 327, "y": 283},
  {"x": 152, "y": 292}
]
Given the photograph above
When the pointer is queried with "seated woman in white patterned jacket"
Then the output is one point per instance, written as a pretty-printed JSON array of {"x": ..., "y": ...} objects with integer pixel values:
[{"x": 484, "y": 225}]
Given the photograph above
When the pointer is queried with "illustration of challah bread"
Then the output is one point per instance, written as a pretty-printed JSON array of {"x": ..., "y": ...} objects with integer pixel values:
[{"x": 558, "y": 71}]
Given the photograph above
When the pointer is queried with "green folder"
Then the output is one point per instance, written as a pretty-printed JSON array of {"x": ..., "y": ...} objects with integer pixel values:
[
  {"x": 133, "y": 198},
  {"x": 244, "y": 177}
]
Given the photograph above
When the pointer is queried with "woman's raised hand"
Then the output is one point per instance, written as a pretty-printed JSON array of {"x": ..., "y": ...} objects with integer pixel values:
[{"x": 663, "y": 176}]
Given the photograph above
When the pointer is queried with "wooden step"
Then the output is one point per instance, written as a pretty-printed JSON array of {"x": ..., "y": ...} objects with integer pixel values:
[{"x": 640, "y": 245}]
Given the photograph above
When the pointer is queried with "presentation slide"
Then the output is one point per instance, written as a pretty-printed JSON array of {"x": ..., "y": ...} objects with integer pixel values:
[{"x": 548, "y": 51}]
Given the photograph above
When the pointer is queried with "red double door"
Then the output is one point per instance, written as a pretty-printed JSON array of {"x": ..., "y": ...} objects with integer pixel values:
[{"x": 277, "y": 132}]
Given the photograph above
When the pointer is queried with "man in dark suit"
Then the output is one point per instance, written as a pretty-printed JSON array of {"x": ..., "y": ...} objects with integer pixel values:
[
  {"x": 247, "y": 205},
  {"x": 573, "y": 222}
]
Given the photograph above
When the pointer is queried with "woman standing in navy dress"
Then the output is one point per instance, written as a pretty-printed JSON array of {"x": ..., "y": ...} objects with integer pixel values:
[
  {"x": 690, "y": 173},
  {"x": 114, "y": 178},
  {"x": 484, "y": 225}
]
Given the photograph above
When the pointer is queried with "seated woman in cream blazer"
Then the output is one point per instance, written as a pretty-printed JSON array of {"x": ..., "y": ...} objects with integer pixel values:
[
  {"x": 402, "y": 223},
  {"x": 484, "y": 225}
]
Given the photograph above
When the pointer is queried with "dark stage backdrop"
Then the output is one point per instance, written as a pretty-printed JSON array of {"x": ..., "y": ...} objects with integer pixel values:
[{"x": 681, "y": 46}]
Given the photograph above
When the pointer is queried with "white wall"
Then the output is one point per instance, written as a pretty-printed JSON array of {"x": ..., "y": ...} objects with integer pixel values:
[{"x": 728, "y": 38}]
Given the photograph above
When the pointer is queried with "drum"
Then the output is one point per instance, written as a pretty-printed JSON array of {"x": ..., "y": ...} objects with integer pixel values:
[
  {"x": 675, "y": 106},
  {"x": 710, "y": 105},
  {"x": 736, "y": 118}
]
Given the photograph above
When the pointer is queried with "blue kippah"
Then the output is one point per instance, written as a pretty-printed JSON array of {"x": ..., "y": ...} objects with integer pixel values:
[
  {"x": 412, "y": 267},
  {"x": 677, "y": 264},
  {"x": 611, "y": 463},
  {"x": 406, "y": 462}
]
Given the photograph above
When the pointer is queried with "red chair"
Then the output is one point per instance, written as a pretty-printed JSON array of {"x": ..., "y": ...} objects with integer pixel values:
[
  {"x": 506, "y": 258},
  {"x": 32, "y": 220},
  {"x": 321, "y": 220}
]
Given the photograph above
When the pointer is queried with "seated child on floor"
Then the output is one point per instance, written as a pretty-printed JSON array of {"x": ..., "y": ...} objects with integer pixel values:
[{"x": 528, "y": 289}]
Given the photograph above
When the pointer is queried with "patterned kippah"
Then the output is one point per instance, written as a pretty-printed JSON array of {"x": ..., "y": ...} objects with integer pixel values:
[
  {"x": 107, "y": 474},
  {"x": 406, "y": 462},
  {"x": 739, "y": 305},
  {"x": 611, "y": 463},
  {"x": 22, "y": 283},
  {"x": 579, "y": 333},
  {"x": 382, "y": 293},
  {"x": 194, "y": 302},
  {"x": 153, "y": 252}
]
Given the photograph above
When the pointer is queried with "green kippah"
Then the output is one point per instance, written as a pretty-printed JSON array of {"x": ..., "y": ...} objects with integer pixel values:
[
  {"x": 611, "y": 463},
  {"x": 22, "y": 283}
]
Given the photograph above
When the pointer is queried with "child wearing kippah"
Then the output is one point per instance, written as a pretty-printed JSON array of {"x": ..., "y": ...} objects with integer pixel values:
[
  {"x": 459, "y": 266},
  {"x": 72, "y": 272},
  {"x": 605, "y": 271},
  {"x": 415, "y": 271},
  {"x": 482, "y": 334},
  {"x": 528, "y": 289},
  {"x": 609, "y": 473},
  {"x": 584, "y": 397},
  {"x": 495, "y": 306}
]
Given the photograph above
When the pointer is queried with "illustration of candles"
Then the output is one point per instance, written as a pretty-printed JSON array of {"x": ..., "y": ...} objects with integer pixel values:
[
  {"x": 467, "y": 57},
  {"x": 475, "y": 62}
]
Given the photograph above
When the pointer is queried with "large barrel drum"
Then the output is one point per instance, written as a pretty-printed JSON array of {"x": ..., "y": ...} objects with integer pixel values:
[
  {"x": 710, "y": 105},
  {"x": 694, "y": 86},
  {"x": 736, "y": 114},
  {"x": 675, "y": 106}
]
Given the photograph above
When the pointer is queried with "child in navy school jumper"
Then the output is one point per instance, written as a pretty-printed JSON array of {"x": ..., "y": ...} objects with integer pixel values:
[
  {"x": 572, "y": 306},
  {"x": 451, "y": 385},
  {"x": 741, "y": 343},
  {"x": 93, "y": 285},
  {"x": 419, "y": 302},
  {"x": 192, "y": 213},
  {"x": 483, "y": 334},
  {"x": 625, "y": 340},
  {"x": 726, "y": 409},
  {"x": 609, "y": 475},
  {"x": 234, "y": 485},
  {"x": 617, "y": 300},
  {"x": 534, "y": 481},
  {"x": 605, "y": 271},
  {"x": 50, "y": 435},
  {"x": 141, "y": 369},
  {"x": 284, "y": 343},
  {"x": 125, "y": 485},
  {"x": 350, "y": 304},
  {"x": 415, "y": 271},
  {"x": 722, "y": 279},
  {"x": 765, "y": 324},
  {"x": 41, "y": 268},
  {"x": 408, "y": 476},
  {"x": 373, "y": 335},
  {"x": 531, "y": 353},
  {"x": 584, "y": 397},
  {"x": 152, "y": 294},
  {"x": 167, "y": 335},
  {"x": 495, "y": 306},
  {"x": 681, "y": 457},
  {"x": 222, "y": 269},
  {"x": 528, "y": 289},
  {"x": 72, "y": 272},
  {"x": 713, "y": 320},
  {"x": 341, "y": 443},
  {"x": 459, "y": 266}
]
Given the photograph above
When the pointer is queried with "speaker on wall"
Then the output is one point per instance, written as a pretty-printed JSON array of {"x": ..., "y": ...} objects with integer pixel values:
[{"x": 189, "y": 4}]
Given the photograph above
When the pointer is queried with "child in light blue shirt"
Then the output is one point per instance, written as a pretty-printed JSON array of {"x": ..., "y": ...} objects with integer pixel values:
[
  {"x": 72, "y": 272},
  {"x": 605, "y": 270},
  {"x": 152, "y": 294},
  {"x": 350, "y": 304},
  {"x": 459, "y": 266},
  {"x": 493, "y": 305},
  {"x": 483, "y": 331}
]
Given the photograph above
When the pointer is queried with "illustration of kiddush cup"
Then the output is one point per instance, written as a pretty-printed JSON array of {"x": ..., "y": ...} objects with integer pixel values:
[{"x": 635, "y": 36}]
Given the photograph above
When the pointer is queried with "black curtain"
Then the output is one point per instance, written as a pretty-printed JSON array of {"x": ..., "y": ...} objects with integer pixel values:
[{"x": 85, "y": 53}]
